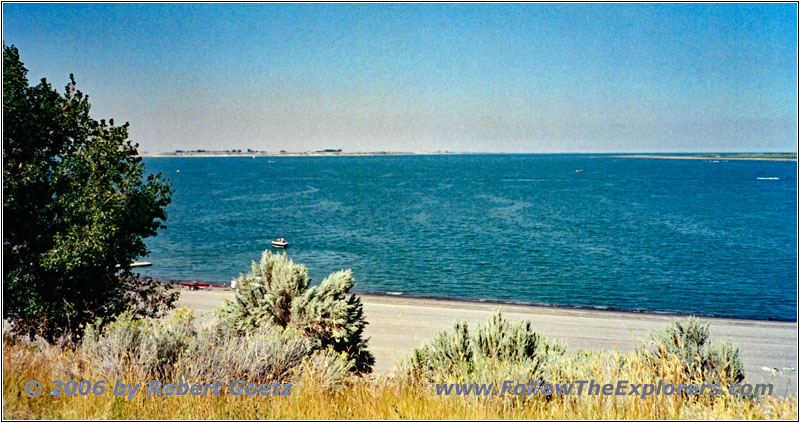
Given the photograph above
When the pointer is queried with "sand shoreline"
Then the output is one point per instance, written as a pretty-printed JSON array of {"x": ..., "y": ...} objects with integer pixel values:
[
  {"x": 398, "y": 324},
  {"x": 503, "y": 303},
  {"x": 545, "y": 306}
]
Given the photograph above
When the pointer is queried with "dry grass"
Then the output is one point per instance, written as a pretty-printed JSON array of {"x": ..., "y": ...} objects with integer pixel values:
[{"x": 374, "y": 397}]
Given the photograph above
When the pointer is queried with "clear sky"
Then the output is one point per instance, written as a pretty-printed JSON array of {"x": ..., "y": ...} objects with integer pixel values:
[{"x": 532, "y": 78}]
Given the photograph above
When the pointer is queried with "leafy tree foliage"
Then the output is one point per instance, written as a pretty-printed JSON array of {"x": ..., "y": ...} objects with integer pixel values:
[
  {"x": 76, "y": 208},
  {"x": 276, "y": 294}
]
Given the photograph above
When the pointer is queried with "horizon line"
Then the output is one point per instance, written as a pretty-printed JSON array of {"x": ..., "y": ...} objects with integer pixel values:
[{"x": 390, "y": 152}]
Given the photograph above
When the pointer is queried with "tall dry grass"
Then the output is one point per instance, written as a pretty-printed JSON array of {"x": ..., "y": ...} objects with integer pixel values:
[{"x": 374, "y": 397}]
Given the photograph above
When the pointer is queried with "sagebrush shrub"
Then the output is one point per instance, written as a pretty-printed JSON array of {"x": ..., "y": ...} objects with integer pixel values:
[
  {"x": 512, "y": 341},
  {"x": 173, "y": 349},
  {"x": 264, "y": 295},
  {"x": 147, "y": 347},
  {"x": 275, "y": 293},
  {"x": 716, "y": 362},
  {"x": 263, "y": 356},
  {"x": 498, "y": 351},
  {"x": 449, "y": 352},
  {"x": 721, "y": 363}
]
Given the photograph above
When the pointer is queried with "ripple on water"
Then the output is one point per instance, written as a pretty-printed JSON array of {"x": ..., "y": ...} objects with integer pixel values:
[{"x": 656, "y": 235}]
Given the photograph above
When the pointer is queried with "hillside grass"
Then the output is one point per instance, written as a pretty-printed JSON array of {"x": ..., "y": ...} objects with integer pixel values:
[{"x": 373, "y": 397}]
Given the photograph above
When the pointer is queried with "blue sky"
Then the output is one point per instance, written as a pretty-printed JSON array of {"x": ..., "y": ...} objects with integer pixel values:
[{"x": 532, "y": 78}]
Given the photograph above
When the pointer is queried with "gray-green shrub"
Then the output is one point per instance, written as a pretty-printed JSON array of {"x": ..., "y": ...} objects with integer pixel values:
[
  {"x": 263, "y": 356},
  {"x": 498, "y": 351},
  {"x": 715, "y": 362},
  {"x": 513, "y": 341},
  {"x": 448, "y": 353},
  {"x": 721, "y": 363},
  {"x": 275, "y": 293},
  {"x": 173, "y": 349},
  {"x": 149, "y": 348}
]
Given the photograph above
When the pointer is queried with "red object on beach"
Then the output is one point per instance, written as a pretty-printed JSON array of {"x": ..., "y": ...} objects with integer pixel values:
[{"x": 195, "y": 285}]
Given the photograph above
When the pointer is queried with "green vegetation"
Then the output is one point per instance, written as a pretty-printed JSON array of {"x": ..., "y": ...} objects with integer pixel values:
[
  {"x": 687, "y": 341},
  {"x": 172, "y": 350},
  {"x": 76, "y": 208},
  {"x": 276, "y": 294},
  {"x": 498, "y": 351}
]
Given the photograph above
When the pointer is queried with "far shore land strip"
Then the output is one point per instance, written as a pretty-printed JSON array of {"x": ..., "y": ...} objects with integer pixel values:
[
  {"x": 396, "y": 325},
  {"x": 340, "y": 153}
]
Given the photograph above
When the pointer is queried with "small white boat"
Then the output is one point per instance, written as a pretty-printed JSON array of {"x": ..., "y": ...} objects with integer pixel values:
[
  {"x": 280, "y": 243},
  {"x": 138, "y": 264}
]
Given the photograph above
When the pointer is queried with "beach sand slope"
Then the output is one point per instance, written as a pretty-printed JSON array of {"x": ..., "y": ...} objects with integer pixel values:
[{"x": 398, "y": 324}]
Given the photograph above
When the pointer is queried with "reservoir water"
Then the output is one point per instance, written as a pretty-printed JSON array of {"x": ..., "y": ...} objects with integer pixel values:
[{"x": 706, "y": 237}]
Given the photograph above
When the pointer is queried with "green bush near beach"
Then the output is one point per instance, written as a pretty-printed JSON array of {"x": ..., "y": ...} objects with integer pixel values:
[
  {"x": 498, "y": 351},
  {"x": 715, "y": 362},
  {"x": 174, "y": 351},
  {"x": 275, "y": 294}
]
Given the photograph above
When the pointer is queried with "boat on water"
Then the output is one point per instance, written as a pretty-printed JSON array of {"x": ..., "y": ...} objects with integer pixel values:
[
  {"x": 138, "y": 264},
  {"x": 280, "y": 243}
]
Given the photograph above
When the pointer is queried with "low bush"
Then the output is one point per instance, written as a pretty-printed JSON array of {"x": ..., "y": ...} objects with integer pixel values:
[
  {"x": 264, "y": 356},
  {"x": 324, "y": 390},
  {"x": 147, "y": 348},
  {"x": 276, "y": 294},
  {"x": 498, "y": 351},
  {"x": 709, "y": 362},
  {"x": 173, "y": 349},
  {"x": 514, "y": 342}
]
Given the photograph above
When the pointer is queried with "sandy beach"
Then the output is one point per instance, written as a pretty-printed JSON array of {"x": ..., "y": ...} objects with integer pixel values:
[{"x": 398, "y": 324}]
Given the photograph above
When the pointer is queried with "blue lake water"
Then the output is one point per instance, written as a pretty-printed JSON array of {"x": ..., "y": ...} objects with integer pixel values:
[{"x": 680, "y": 236}]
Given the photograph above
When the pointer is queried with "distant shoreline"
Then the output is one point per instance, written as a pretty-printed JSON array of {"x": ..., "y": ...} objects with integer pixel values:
[
  {"x": 338, "y": 153},
  {"x": 773, "y": 157},
  {"x": 283, "y": 154}
]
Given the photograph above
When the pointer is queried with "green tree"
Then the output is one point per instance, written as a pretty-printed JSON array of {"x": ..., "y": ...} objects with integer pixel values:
[{"x": 76, "y": 208}]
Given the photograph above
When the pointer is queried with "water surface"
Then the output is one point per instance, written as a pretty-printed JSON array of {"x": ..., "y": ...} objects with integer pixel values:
[{"x": 681, "y": 236}]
